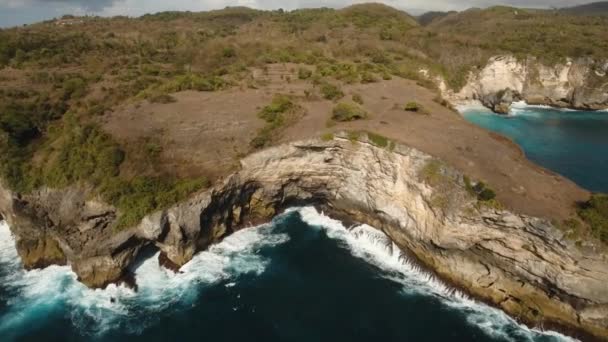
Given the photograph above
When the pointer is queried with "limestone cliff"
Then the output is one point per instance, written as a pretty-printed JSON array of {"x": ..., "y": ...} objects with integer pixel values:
[
  {"x": 577, "y": 84},
  {"x": 521, "y": 264}
]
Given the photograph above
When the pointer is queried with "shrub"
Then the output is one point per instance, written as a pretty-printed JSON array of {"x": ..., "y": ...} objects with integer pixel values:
[
  {"x": 412, "y": 107},
  {"x": 348, "y": 112},
  {"x": 367, "y": 77},
  {"x": 20, "y": 128},
  {"x": 353, "y": 136},
  {"x": 357, "y": 99},
  {"x": 228, "y": 52},
  {"x": 193, "y": 82},
  {"x": 486, "y": 195},
  {"x": 432, "y": 173},
  {"x": 74, "y": 88},
  {"x": 304, "y": 73},
  {"x": 327, "y": 137},
  {"x": 208, "y": 84},
  {"x": 595, "y": 213},
  {"x": 331, "y": 92},
  {"x": 272, "y": 113},
  {"x": 378, "y": 140},
  {"x": 86, "y": 154},
  {"x": 163, "y": 98},
  {"x": 143, "y": 195},
  {"x": 275, "y": 115},
  {"x": 481, "y": 191}
]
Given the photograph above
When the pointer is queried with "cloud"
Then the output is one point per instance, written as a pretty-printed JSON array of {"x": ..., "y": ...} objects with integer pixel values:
[
  {"x": 15, "y": 12},
  {"x": 92, "y": 6}
]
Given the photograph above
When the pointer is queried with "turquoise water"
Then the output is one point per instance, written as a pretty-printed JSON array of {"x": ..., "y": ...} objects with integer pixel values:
[
  {"x": 302, "y": 278},
  {"x": 571, "y": 143}
]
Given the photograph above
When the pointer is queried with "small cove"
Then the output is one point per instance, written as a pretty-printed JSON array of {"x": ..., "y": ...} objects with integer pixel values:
[{"x": 571, "y": 143}]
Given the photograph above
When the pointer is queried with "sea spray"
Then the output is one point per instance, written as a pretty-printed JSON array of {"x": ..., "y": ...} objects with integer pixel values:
[
  {"x": 376, "y": 248},
  {"x": 55, "y": 291},
  {"x": 239, "y": 265}
]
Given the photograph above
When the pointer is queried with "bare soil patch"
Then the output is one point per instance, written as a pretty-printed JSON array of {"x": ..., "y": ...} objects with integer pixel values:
[{"x": 206, "y": 134}]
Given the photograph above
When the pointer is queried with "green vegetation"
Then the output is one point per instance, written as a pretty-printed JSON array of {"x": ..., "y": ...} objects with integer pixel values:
[
  {"x": 378, "y": 140},
  {"x": 142, "y": 195},
  {"x": 278, "y": 114},
  {"x": 85, "y": 154},
  {"x": 368, "y": 77},
  {"x": 348, "y": 112},
  {"x": 445, "y": 196},
  {"x": 327, "y": 137},
  {"x": 194, "y": 82},
  {"x": 480, "y": 190},
  {"x": 412, "y": 107},
  {"x": 331, "y": 92},
  {"x": 485, "y": 196},
  {"x": 595, "y": 214},
  {"x": 56, "y": 84},
  {"x": 465, "y": 40},
  {"x": 304, "y": 73},
  {"x": 353, "y": 136},
  {"x": 163, "y": 98},
  {"x": 432, "y": 173}
]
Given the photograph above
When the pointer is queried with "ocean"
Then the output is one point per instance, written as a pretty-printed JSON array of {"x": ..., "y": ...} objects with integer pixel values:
[
  {"x": 571, "y": 143},
  {"x": 302, "y": 277}
]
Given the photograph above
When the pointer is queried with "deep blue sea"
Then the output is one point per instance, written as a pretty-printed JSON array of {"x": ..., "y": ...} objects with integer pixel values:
[
  {"x": 571, "y": 143},
  {"x": 304, "y": 277}
]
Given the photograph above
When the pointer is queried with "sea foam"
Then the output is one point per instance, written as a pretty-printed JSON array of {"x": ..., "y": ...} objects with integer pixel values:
[
  {"x": 376, "y": 248},
  {"x": 55, "y": 291}
]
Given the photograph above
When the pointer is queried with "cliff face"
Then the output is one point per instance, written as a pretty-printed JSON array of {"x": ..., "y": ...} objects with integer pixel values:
[
  {"x": 577, "y": 84},
  {"x": 522, "y": 264}
]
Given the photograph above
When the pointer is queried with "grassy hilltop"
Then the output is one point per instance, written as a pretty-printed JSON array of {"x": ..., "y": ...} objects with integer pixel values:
[{"x": 69, "y": 87}]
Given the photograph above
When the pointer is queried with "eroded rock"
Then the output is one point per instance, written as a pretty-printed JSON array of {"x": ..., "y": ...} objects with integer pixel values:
[
  {"x": 519, "y": 263},
  {"x": 576, "y": 83}
]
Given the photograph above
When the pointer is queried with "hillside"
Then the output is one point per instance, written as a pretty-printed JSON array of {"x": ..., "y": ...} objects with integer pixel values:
[
  {"x": 146, "y": 111},
  {"x": 592, "y": 9},
  {"x": 471, "y": 37},
  {"x": 429, "y": 17}
]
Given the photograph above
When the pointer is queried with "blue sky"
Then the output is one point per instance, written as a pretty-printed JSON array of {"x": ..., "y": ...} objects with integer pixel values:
[{"x": 17, "y": 12}]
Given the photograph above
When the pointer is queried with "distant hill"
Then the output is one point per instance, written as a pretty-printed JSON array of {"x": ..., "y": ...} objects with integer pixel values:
[
  {"x": 429, "y": 17},
  {"x": 61, "y": 79},
  {"x": 593, "y": 9}
]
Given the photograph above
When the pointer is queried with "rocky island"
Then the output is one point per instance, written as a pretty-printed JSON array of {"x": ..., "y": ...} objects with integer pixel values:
[{"x": 162, "y": 146}]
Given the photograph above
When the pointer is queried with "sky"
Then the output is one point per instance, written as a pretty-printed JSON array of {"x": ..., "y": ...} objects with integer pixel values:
[{"x": 18, "y": 12}]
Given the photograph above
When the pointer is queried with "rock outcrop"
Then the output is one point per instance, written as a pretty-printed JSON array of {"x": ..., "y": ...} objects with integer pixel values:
[
  {"x": 577, "y": 84},
  {"x": 522, "y": 264},
  {"x": 500, "y": 102}
]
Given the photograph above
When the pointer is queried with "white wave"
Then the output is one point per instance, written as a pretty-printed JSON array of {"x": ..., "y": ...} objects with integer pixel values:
[
  {"x": 376, "y": 248},
  {"x": 55, "y": 289},
  {"x": 524, "y": 107},
  {"x": 471, "y": 105}
]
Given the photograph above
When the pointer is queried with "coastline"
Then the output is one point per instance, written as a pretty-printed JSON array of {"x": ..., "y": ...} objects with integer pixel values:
[
  {"x": 462, "y": 106},
  {"x": 528, "y": 129},
  {"x": 407, "y": 259}
]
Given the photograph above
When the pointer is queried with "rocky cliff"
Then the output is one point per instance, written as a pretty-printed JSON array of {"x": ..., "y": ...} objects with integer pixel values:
[
  {"x": 578, "y": 84},
  {"x": 521, "y": 264}
]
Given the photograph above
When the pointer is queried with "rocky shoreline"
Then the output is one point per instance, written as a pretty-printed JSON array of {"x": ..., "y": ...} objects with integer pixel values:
[
  {"x": 520, "y": 264},
  {"x": 580, "y": 84}
]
